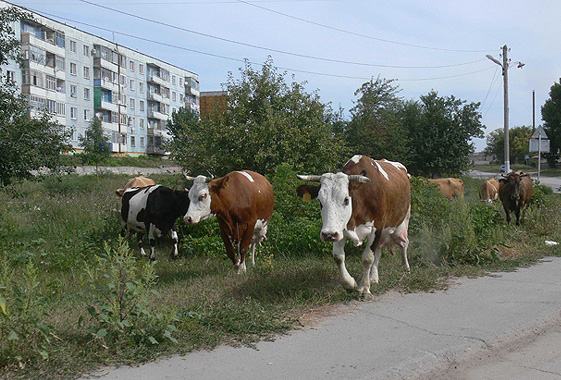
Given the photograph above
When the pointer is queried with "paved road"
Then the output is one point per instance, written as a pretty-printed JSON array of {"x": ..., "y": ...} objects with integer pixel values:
[{"x": 412, "y": 336}]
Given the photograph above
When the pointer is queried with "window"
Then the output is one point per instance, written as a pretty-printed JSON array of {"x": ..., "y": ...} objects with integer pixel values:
[
  {"x": 86, "y": 94},
  {"x": 142, "y": 142},
  {"x": 132, "y": 141},
  {"x": 51, "y": 106},
  {"x": 141, "y": 123},
  {"x": 11, "y": 75},
  {"x": 181, "y": 98},
  {"x": 51, "y": 83},
  {"x": 131, "y": 65},
  {"x": 59, "y": 39},
  {"x": 131, "y": 85},
  {"x": 73, "y": 68},
  {"x": 73, "y": 46},
  {"x": 73, "y": 113},
  {"x": 173, "y": 96},
  {"x": 36, "y": 79},
  {"x": 86, "y": 50},
  {"x": 141, "y": 68},
  {"x": 141, "y": 87},
  {"x": 86, "y": 114},
  {"x": 86, "y": 72},
  {"x": 60, "y": 109},
  {"x": 141, "y": 105},
  {"x": 132, "y": 103},
  {"x": 73, "y": 91},
  {"x": 173, "y": 79},
  {"x": 74, "y": 134},
  {"x": 181, "y": 81}
]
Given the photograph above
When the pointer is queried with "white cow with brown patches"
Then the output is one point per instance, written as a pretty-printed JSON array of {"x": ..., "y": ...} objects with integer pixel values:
[{"x": 369, "y": 200}]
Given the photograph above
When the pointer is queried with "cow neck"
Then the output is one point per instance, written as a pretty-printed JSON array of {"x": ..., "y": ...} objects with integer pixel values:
[{"x": 217, "y": 206}]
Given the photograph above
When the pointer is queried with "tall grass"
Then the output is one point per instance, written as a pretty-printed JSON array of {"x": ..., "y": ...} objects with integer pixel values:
[{"x": 53, "y": 235}]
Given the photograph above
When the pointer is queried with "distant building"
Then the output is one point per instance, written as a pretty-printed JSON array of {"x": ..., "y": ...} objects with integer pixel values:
[
  {"x": 213, "y": 100},
  {"x": 77, "y": 76}
]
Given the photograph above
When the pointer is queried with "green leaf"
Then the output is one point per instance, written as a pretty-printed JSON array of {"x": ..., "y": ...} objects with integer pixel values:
[
  {"x": 152, "y": 340},
  {"x": 101, "y": 333},
  {"x": 13, "y": 335},
  {"x": 3, "y": 306}
]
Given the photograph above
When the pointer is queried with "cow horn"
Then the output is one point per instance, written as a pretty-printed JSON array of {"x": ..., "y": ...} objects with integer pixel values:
[
  {"x": 313, "y": 178},
  {"x": 188, "y": 177},
  {"x": 207, "y": 179},
  {"x": 359, "y": 178}
]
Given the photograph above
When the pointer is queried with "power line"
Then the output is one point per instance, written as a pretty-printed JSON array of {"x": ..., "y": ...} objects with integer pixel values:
[
  {"x": 490, "y": 86},
  {"x": 270, "y": 49},
  {"x": 360, "y": 34},
  {"x": 237, "y": 59}
]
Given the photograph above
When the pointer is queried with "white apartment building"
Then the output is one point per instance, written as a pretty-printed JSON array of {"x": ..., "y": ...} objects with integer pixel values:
[{"x": 77, "y": 76}]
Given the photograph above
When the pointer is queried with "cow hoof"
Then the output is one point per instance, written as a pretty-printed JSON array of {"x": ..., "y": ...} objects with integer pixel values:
[{"x": 152, "y": 259}]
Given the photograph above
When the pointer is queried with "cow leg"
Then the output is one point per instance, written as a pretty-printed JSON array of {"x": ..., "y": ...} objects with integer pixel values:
[
  {"x": 252, "y": 251},
  {"x": 517, "y": 213},
  {"x": 228, "y": 244},
  {"x": 175, "y": 251},
  {"x": 346, "y": 279},
  {"x": 245, "y": 243},
  {"x": 367, "y": 262},
  {"x": 376, "y": 247},
  {"x": 150, "y": 228},
  {"x": 507, "y": 212},
  {"x": 140, "y": 237}
]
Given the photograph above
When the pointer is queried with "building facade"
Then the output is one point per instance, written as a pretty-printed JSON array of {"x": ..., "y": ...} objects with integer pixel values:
[{"x": 77, "y": 76}]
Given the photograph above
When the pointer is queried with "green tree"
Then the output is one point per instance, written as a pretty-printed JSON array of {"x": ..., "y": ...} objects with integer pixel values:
[
  {"x": 26, "y": 144},
  {"x": 551, "y": 115},
  {"x": 267, "y": 121},
  {"x": 519, "y": 140},
  {"x": 439, "y": 131},
  {"x": 376, "y": 127},
  {"x": 96, "y": 144}
]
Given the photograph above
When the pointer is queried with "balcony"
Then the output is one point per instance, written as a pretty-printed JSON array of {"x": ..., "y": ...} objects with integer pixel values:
[
  {"x": 101, "y": 62},
  {"x": 109, "y": 106},
  {"x": 153, "y": 78},
  {"x": 107, "y": 84},
  {"x": 157, "y": 115},
  {"x": 155, "y": 97},
  {"x": 48, "y": 45}
]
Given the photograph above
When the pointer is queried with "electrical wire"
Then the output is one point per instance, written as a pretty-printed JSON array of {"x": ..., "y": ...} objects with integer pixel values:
[
  {"x": 360, "y": 34},
  {"x": 490, "y": 86},
  {"x": 270, "y": 49}
]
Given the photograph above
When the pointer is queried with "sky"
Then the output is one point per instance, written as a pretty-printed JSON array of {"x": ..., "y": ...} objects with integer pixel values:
[{"x": 335, "y": 46}]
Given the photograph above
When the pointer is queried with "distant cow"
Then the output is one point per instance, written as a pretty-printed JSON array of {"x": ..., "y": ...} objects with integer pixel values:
[
  {"x": 153, "y": 210},
  {"x": 369, "y": 200},
  {"x": 450, "y": 187},
  {"x": 489, "y": 191},
  {"x": 515, "y": 192},
  {"x": 242, "y": 201},
  {"x": 139, "y": 181}
]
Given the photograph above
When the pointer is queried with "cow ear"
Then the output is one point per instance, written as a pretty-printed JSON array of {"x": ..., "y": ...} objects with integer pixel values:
[
  {"x": 219, "y": 184},
  {"x": 307, "y": 192},
  {"x": 355, "y": 185}
]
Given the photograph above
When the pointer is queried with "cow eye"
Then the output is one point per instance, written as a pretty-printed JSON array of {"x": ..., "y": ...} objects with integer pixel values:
[
  {"x": 202, "y": 197},
  {"x": 346, "y": 201}
]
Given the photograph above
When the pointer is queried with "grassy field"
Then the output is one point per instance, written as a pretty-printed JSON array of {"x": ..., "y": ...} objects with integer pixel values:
[{"x": 74, "y": 297}]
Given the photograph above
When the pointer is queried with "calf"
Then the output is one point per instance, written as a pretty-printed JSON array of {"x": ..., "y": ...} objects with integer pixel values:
[
  {"x": 515, "y": 192},
  {"x": 369, "y": 200},
  {"x": 450, "y": 187},
  {"x": 242, "y": 201},
  {"x": 139, "y": 181},
  {"x": 489, "y": 191},
  {"x": 153, "y": 210}
]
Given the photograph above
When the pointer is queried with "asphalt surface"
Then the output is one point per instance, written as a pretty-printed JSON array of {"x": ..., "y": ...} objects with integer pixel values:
[
  {"x": 553, "y": 182},
  {"x": 475, "y": 325}
]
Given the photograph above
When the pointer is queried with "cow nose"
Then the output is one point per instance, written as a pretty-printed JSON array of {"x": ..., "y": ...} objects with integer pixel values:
[
  {"x": 188, "y": 220},
  {"x": 329, "y": 236}
]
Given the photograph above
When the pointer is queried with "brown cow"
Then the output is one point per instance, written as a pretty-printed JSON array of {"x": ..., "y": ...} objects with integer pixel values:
[
  {"x": 369, "y": 200},
  {"x": 139, "y": 181},
  {"x": 489, "y": 191},
  {"x": 450, "y": 187},
  {"x": 515, "y": 192},
  {"x": 242, "y": 201}
]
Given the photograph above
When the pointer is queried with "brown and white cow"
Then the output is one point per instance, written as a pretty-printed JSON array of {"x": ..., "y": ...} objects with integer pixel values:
[
  {"x": 369, "y": 200},
  {"x": 515, "y": 192},
  {"x": 140, "y": 181},
  {"x": 489, "y": 191},
  {"x": 450, "y": 187},
  {"x": 242, "y": 201}
]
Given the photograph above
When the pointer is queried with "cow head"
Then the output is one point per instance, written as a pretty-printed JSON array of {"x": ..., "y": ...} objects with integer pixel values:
[
  {"x": 511, "y": 184},
  {"x": 199, "y": 197},
  {"x": 334, "y": 194}
]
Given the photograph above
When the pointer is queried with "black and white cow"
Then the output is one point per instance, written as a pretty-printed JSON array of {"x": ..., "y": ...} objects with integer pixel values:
[{"x": 153, "y": 210}]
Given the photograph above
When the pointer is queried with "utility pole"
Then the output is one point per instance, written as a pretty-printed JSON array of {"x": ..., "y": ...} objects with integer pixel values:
[
  {"x": 505, "y": 66},
  {"x": 506, "y": 121}
]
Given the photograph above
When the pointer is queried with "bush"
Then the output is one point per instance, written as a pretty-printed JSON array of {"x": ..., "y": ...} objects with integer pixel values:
[{"x": 119, "y": 291}]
